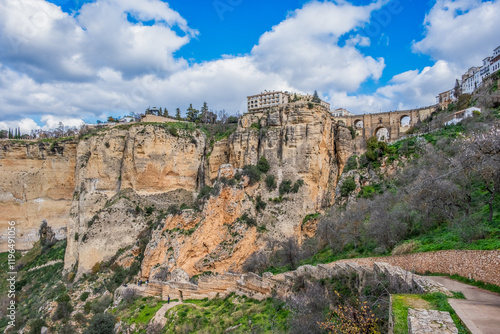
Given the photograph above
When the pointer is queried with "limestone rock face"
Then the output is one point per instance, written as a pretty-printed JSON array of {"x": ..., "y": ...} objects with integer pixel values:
[
  {"x": 150, "y": 163},
  {"x": 299, "y": 144},
  {"x": 36, "y": 183},
  {"x": 212, "y": 240},
  {"x": 179, "y": 276},
  {"x": 112, "y": 190}
]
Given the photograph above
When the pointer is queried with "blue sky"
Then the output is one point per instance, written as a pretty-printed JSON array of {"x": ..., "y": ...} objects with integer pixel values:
[{"x": 63, "y": 60}]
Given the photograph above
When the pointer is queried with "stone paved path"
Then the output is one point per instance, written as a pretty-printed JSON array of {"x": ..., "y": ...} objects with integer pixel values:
[
  {"x": 160, "y": 314},
  {"x": 480, "y": 312}
]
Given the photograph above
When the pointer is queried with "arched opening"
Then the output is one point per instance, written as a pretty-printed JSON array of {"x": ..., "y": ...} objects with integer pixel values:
[
  {"x": 405, "y": 121},
  {"x": 382, "y": 134},
  {"x": 358, "y": 124}
]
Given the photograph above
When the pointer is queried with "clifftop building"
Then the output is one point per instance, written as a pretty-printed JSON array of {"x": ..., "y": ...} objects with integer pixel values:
[
  {"x": 341, "y": 112},
  {"x": 267, "y": 100},
  {"x": 472, "y": 79}
]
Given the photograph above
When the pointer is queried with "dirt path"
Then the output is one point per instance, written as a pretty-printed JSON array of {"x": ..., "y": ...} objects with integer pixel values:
[
  {"x": 50, "y": 263},
  {"x": 160, "y": 314},
  {"x": 480, "y": 312}
]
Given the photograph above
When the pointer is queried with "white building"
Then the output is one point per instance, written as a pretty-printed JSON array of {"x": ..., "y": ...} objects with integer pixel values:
[
  {"x": 495, "y": 61},
  {"x": 267, "y": 100},
  {"x": 126, "y": 119},
  {"x": 341, "y": 112},
  {"x": 473, "y": 78},
  {"x": 461, "y": 115}
]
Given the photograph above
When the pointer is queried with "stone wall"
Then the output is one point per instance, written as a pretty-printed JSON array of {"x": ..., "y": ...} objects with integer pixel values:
[
  {"x": 473, "y": 264},
  {"x": 281, "y": 286}
]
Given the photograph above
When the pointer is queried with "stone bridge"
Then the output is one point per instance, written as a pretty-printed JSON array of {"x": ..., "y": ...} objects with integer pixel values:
[{"x": 387, "y": 126}]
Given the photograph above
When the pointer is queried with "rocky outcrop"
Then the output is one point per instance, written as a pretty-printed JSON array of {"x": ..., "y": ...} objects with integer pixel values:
[
  {"x": 116, "y": 185},
  {"x": 300, "y": 144},
  {"x": 153, "y": 166},
  {"x": 212, "y": 240},
  {"x": 37, "y": 183}
]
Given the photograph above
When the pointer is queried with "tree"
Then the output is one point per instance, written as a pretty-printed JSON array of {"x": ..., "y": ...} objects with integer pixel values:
[
  {"x": 178, "y": 114},
  {"x": 102, "y": 323},
  {"x": 263, "y": 165},
  {"x": 204, "y": 112},
  {"x": 165, "y": 112},
  {"x": 316, "y": 98},
  {"x": 290, "y": 252},
  {"x": 232, "y": 119},
  {"x": 4, "y": 134},
  {"x": 192, "y": 114},
  {"x": 457, "y": 91},
  {"x": 160, "y": 112},
  {"x": 222, "y": 116},
  {"x": 47, "y": 236}
]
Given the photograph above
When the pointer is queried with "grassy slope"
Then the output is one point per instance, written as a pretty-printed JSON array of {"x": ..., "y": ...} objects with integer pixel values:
[
  {"x": 443, "y": 237},
  {"x": 34, "y": 288},
  {"x": 215, "y": 316}
]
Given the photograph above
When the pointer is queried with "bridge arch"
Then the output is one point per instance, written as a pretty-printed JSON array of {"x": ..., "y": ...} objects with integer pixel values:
[
  {"x": 405, "y": 121},
  {"x": 382, "y": 133},
  {"x": 358, "y": 124}
]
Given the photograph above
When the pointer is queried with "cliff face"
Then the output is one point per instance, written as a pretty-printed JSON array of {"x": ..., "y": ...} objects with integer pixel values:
[
  {"x": 115, "y": 189},
  {"x": 156, "y": 167},
  {"x": 299, "y": 144},
  {"x": 36, "y": 183}
]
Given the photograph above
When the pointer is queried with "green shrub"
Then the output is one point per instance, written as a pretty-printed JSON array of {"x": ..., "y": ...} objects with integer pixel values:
[
  {"x": 271, "y": 182},
  {"x": 260, "y": 204},
  {"x": 253, "y": 173},
  {"x": 347, "y": 187},
  {"x": 296, "y": 186},
  {"x": 173, "y": 210},
  {"x": 101, "y": 324},
  {"x": 117, "y": 279},
  {"x": 353, "y": 132},
  {"x": 263, "y": 165},
  {"x": 255, "y": 125},
  {"x": 285, "y": 187},
  {"x": 352, "y": 163},
  {"x": 100, "y": 305},
  {"x": 205, "y": 192},
  {"x": 87, "y": 307},
  {"x": 84, "y": 296},
  {"x": 311, "y": 217},
  {"x": 250, "y": 221},
  {"x": 36, "y": 326}
]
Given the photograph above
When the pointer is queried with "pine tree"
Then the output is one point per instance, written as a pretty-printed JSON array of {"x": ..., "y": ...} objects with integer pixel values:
[
  {"x": 457, "y": 91},
  {"x": 204, "y": 112},
  {"x": 178, "y": 114},
  {"x": 165, "y": 112},
  {"x": 10, "y": 133},
  {"x": 192, "y": 114},
  {"x": 160, "y": 113},
  {"x": 316, "y": 98}
]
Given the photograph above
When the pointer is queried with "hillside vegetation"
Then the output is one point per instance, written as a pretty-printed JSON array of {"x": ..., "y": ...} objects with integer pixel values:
[{"x": 444, "y": 195}]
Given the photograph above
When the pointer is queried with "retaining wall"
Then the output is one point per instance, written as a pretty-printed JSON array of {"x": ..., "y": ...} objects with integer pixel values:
[{"x": 473, "y": 264}]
